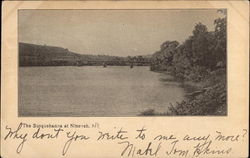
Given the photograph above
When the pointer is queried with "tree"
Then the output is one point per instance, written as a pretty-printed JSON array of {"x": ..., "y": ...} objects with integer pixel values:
[
  {"x": 221, "y": 39},
  {"x": 199, "y": 29}
]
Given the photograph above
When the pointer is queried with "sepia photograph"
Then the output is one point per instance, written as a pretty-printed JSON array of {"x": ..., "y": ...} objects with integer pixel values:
[
  {"x": 125, "y": 79},
  {"x": 122, "y": 62}
]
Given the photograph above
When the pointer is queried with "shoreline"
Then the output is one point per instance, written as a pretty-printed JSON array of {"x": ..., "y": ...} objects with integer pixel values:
[{"x": 205, "y": 96}]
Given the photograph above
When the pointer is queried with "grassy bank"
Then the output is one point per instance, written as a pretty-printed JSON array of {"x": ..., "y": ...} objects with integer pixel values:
[{"x": 209, "y": 98}]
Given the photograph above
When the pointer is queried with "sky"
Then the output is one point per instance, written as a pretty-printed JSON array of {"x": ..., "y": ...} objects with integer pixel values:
[{"x": 110, "y": 32}]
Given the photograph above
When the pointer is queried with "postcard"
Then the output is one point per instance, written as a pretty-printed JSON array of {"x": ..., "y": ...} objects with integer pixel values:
[{"x": 125, "y": 79}]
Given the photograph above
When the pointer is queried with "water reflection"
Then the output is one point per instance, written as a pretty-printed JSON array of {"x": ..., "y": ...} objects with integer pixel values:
[{"x": 95, "y": 91}]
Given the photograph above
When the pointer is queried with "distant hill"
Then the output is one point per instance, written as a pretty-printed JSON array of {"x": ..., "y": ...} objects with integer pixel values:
[{"x": 43, "y": 55}]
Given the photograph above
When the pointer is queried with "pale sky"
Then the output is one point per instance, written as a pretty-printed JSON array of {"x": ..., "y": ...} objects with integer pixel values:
[{"x": 110, "y": 32}]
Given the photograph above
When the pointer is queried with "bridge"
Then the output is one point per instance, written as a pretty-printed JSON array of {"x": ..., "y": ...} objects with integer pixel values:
[{"x": 114, "y": 62}]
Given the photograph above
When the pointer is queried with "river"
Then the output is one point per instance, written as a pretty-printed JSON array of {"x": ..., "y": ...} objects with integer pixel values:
[{"x": 87, "y": 91}]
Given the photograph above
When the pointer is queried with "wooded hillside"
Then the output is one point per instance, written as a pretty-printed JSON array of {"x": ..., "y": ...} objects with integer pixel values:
[
  {"x": 201, "y": 59},
  {"x": 43, "y": 55}
]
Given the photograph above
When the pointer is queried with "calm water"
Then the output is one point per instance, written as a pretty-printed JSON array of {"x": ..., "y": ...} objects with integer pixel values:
[{"x": 94, "y": 91}]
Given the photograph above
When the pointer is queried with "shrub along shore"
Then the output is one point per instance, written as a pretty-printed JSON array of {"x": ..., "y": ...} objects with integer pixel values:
[{"x": 200, "y": 59}]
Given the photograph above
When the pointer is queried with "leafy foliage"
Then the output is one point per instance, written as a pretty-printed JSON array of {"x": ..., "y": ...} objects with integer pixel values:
[{"x": 201, "y": 58}]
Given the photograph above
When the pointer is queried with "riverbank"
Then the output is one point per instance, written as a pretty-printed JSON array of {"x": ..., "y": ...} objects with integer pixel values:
[
  {"x": 211, "y": 99},
  {"x": 201, "y": 59},
  {"x": 208, "y": 97}
]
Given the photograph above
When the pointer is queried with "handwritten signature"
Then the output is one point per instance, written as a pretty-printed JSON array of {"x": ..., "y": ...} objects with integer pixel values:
[{"x": 159, "y": 144}]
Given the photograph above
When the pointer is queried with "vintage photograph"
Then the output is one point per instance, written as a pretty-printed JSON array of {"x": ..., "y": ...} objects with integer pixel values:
[{"x": 122, "y": 62}]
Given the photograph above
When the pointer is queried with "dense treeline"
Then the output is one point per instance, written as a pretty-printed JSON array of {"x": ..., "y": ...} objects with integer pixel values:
[
  {"x": 201, "y": 59},
  {"x": 43, "y": 55}
]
